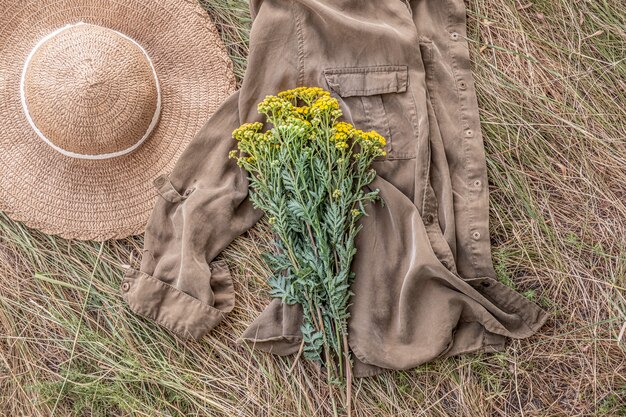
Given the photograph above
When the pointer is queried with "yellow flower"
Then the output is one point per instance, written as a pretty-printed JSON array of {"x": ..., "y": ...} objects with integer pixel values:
[
  {"x": 357, "y": 135},
  {"x": 287, "y": 94},
  {"x": 259, "y": 138},
  {"x": 306, "y": 94},
  {"x": 338, "y": 137},
  {"x": 343, "y": 131},
  {"x": 344, "y": 127},
  {"x": 355, "y": 212},
  {"x": 233, "y": 154},
  {"x": 376, "y": 137},
  {"x": 341, "y": 145},
  {"x": 247, "y": 131},
  {"x": 274, "y": 105},
  {"x": 324, "y": 104},
  {"x": 370, "y": 142},
  {"x": 304, "y": 110},
  {"x": 337, "y": 193}
]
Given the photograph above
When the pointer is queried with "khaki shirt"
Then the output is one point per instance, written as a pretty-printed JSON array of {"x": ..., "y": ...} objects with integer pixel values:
[{"x": 425, "y": 285}]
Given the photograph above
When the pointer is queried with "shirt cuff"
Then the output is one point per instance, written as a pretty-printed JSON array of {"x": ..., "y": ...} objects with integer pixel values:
[{"x": 182, "y": 314}]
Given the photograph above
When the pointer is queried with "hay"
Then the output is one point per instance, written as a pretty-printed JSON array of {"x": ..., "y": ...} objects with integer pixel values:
[{"x": 550, "y": 78}]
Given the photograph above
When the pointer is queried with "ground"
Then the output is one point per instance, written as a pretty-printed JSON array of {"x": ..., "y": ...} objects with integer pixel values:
[{"x": 551, "y": 82}]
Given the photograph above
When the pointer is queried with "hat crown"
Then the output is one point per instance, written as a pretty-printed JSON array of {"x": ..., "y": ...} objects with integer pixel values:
[{"x": 90, "y": 92}]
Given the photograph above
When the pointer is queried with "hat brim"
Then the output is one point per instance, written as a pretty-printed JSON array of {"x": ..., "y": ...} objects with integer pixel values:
[{"x": 109, "y": 198}]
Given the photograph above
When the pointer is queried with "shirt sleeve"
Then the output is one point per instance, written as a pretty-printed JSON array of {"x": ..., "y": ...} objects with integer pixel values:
[{"x": 202, "y": 204}]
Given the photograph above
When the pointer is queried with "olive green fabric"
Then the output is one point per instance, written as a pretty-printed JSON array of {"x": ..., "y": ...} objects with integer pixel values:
[{"x": 425, "y": 285}]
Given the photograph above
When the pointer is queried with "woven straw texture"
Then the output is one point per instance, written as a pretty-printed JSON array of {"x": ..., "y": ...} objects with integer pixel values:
[{"x": 90, "y": 90}]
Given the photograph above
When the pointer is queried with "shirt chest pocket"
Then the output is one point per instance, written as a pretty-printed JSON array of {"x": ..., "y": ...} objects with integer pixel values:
[{"x": 377, "y": 98}]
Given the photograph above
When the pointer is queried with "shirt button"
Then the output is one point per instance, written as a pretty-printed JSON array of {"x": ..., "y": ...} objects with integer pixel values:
[
  {"x": 476, "y": 235},
  {"x": 125, "y": 286},
  {"x": 428, "y": 219},
  {"x": 469, "y": 133},
  {"x": 454, "y": 36},
  {"x": 477, "y": 183},
  {"x": 462, "y": 85}
]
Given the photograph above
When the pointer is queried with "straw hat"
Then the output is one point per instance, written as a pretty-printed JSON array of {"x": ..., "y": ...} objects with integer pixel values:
[{"x": 97, "y": 99}]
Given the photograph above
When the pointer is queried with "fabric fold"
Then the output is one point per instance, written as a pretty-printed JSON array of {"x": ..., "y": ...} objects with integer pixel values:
[
  {"x": 179, "y": 312},
  {"x": 276, "y": 330}
]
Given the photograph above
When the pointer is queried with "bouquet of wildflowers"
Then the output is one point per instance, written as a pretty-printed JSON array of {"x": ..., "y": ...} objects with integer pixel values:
[{"x": 307, "y": 173}]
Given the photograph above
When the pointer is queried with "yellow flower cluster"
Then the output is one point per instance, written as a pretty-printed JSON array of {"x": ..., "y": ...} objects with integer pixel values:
[
  {"x": 275, "y": 106},
  {"x": 374, "y": 136},
  {"x": 303, "y": 110},
  {"x": 294, "y": 122},
  {"x": 311, "y": 121},
  {"x": 370, "y": 141},
  {"x": 306, "y": 103},
  {"x": 324, "y": 104},
  {"x": 247, "y": 131},
  {"x": 306, "y": 94},
  {"x": 343, "y": 131}
]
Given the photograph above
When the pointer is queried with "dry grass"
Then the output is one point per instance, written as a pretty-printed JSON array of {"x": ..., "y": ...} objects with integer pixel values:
[{"x": 551, "y": 81}]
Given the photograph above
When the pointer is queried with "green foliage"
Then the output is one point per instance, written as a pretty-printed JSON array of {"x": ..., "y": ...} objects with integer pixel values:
[{"x": 308, "y": 173}]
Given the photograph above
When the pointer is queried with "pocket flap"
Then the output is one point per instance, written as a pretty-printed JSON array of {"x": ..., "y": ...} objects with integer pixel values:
[{"x": 366, "y": 81}]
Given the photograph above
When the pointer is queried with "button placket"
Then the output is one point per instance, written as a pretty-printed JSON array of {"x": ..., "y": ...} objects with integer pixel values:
[
  {"x": 474, "y": 173},
  {"x": 476, "y": 227}
]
